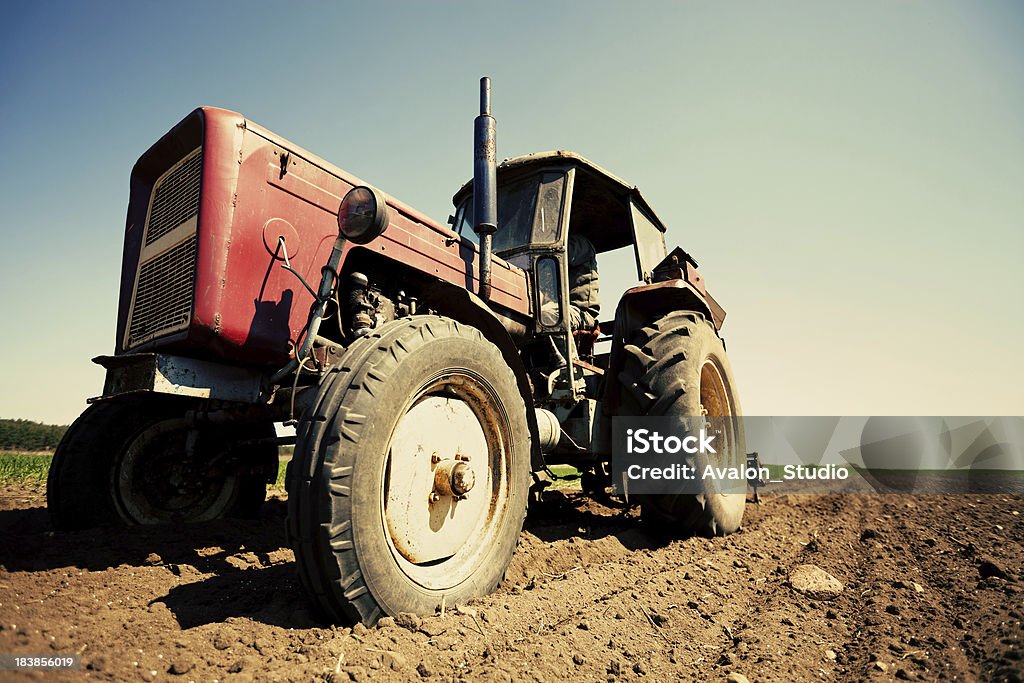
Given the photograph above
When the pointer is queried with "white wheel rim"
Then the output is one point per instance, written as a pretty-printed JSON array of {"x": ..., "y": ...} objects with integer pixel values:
[{"x": 440, "y": 543}]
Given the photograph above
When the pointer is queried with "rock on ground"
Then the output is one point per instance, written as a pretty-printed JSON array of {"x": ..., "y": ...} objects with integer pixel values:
[{"x": 815, "y": 582}]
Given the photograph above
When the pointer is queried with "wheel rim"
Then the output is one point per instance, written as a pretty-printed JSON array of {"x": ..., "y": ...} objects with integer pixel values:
[
  {"x": 156, "y": 483},
  {"x": 453, "y": 422},
  {"x": 714, "y": 397},
  {"x": 718, "y": 410}
]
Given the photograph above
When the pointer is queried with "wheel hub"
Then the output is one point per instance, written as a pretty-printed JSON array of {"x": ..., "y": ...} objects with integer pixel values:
[{"x": 453, "y": 478}]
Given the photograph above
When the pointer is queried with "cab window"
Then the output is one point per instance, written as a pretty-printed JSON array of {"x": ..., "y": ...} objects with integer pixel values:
[
  {"x": 548, "y": 215},
  {"x": 531, "y": 205},
  {"x": 463, "y": 224}
]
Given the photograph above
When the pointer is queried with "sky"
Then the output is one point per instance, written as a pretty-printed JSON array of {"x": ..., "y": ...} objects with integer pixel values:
[{"x": 849, "y": 176}]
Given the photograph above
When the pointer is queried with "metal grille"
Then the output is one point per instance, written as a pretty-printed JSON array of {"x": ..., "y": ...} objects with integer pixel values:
[
  {"x": 163, "y": 293},
  {"x": 176, "y": 198}
]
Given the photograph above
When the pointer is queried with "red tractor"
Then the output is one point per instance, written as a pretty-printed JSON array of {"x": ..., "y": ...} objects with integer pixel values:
[{"x": 433, "y": 372}]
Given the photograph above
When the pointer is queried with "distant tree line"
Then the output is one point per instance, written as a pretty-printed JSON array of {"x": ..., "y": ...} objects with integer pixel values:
[{"x": 25, "y": 435}]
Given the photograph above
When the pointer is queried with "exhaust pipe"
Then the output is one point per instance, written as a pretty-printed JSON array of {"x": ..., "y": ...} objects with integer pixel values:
[{"x": 485, "y": 192}]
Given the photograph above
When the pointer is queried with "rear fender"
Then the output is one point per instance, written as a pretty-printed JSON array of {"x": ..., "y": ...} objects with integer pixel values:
[{"x": 670, "y": 295}]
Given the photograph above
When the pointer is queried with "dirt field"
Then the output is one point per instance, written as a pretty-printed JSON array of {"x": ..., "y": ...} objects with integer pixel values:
[{"x": 931, "y": 591}]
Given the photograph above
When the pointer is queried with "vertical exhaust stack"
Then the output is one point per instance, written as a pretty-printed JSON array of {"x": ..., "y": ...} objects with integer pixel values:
[{"x": 485, "y": 191}]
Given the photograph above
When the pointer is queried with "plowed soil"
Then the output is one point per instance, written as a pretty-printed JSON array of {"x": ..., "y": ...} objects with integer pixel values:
[{"x": 931, "y": 591}]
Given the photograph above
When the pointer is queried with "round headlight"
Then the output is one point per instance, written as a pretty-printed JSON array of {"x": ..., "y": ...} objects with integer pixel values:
[{"x": 363, "y": 214}]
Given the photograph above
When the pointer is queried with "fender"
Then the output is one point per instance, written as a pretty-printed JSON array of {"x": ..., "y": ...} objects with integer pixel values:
[
  {"x": 636, "y": 307},
  {"x": 671, "y": 295},
  {"x": 462, "y": 305}
]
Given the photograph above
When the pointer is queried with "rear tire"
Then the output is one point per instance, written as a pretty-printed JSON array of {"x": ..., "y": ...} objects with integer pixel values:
[
  {"x": 676, "y": 366},
  {"x": 371, "y": 536},
  {"x": 123, "y": 463}
]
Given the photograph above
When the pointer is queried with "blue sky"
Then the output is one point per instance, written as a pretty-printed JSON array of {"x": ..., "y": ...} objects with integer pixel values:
[{"x": 849, "y": 175}]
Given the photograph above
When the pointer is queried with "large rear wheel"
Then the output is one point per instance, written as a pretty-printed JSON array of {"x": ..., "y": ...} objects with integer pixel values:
[
  {"x": 676, "y": 366},
  {"x": 410, "y": 479}
]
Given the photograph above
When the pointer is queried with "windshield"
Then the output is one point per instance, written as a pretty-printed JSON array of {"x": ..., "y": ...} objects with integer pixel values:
[
  {"x": 517, "y": 205},
  {"x": 650, "y": 241}
]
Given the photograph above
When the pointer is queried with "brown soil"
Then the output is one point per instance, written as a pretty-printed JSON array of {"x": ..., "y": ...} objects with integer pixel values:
[{"x": 931, "y": 591}]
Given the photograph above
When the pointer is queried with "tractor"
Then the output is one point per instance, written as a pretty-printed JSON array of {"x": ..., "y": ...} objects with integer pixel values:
[{"x": 433, "y": 373}]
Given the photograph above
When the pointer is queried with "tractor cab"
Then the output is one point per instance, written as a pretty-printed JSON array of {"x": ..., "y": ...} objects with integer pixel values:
[{"x": 544, "y": 199}]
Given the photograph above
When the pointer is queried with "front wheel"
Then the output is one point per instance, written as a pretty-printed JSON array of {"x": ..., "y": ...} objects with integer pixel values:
[{"x": 411, "y": 474}]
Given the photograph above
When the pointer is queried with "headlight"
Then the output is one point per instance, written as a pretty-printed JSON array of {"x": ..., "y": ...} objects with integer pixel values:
[{"x": 363, "y": 215}]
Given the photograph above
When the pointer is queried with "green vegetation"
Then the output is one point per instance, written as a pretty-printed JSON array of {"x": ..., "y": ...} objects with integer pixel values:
[
  {"x": 281, "y": 465},
  {"x": 25, "y": 435},
  {"x": 33, "y": 467},
  {"x": 565, "y": 471},
  {"x": 568, "y": 477},
  {"x": 23, "y": 467}
]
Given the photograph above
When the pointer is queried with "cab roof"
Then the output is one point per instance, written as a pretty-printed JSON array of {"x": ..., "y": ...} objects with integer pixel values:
[{"x": 600, "y": 203}]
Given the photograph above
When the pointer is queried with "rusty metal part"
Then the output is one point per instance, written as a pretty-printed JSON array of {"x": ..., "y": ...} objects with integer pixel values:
[
  {"x": 679, "y": 265},
  {"x": 161, "y": 373},
  {"x": 286, "y": 403},
  {"x": 453, "y": 478},
  {"x": 677, "y": 295},
  {"x": 325, "y": 353},
  {"x": 485, "y": 191},
  {"x": 360, "y": 309},
  {"x": 440, "y": 471},
  {"x": 464, "y": 306},
  {"x": 587, "y": 366}
]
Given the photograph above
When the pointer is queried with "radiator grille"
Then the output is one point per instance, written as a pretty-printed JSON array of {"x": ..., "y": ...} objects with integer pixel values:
[
  {"x": 163, "y": 293},
  {"x": 176, "y": 198}
]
